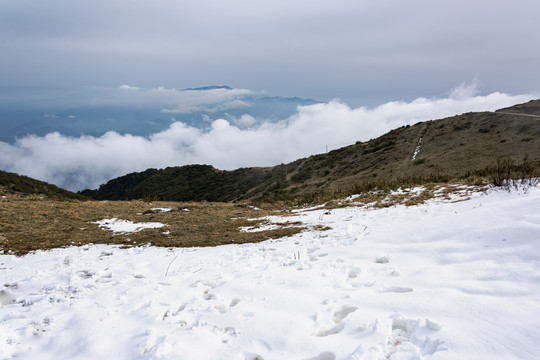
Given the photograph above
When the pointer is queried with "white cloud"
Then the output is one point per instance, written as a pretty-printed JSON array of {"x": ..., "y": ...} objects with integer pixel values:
[
  {"x": 464, "y": 90},
  {"x": 245, "y": 121},
  {"x": 234, "y": 104},
  {"x": 186, "y": 109},
  {"x": 190, "y": 108},
  {"x": 172, "y": 100},
  {"x": 128, "y": 87},
  {"x": 86, "y": 162}
]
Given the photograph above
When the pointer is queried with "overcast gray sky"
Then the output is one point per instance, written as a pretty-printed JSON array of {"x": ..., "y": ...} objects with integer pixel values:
[{"x": 349, "y": 49}]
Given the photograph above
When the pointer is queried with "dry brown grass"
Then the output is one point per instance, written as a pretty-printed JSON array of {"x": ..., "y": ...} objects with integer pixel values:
[
  {"x": 29, "y": 223},
  {"x": 409, "y": 196}
]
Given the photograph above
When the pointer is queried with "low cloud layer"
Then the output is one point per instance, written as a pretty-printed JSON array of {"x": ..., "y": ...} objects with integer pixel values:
[{"x": 82, "y": 162}]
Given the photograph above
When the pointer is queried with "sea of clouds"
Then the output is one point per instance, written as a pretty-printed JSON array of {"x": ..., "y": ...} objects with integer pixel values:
[{"x": 76, "y": 163}]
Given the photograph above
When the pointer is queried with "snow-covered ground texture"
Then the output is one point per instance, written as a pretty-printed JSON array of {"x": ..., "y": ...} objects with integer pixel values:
[{"x": 442, "y": 280}]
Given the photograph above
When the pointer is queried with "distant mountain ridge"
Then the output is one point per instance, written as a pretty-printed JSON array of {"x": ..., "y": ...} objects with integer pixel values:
[
  {"x": 450, "y": 148},
  {"x": 211, "y": 87}
]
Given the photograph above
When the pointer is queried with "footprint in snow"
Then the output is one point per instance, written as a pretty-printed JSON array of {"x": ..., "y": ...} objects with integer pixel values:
[
  {"x": 341, "y": 314},
  {"x": 401, "y": 339},
  {"x": 260, "y": 345},
  {"x": 220, "y": 308},
  {"x": 85, "y": 274},
  {"x": 223, "y": 308},
  {"x": 336, "y": 329},
  {"x": 407, "y": 339},
  {"x": 396, "y": 289},
  {"x": 332, "y": 324},
  {"x": 327, "y": 355},
  {"x": 354, "y": 272},
  {"x": 152, "y": 342},
  {"x": 208, "y": 296},
  {"x": 252, "y": 356},
  {"x": 6, "y": 298},
  {"x": 382, "y": 259},
  {"x": 225, "y": 334}
]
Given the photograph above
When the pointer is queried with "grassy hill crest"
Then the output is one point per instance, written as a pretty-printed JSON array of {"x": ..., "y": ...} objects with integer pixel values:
[
  {"x": 457, "y": 147},
  {"x": 11, "y": 183}
]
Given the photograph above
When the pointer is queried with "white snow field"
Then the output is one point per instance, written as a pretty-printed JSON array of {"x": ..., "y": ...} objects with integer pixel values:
[
  {"x": 442, "y": 280},
  {"x": 118, "y": 226}
]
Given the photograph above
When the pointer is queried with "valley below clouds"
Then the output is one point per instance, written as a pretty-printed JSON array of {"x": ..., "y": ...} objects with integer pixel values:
[{"x": 77, "y": 163}]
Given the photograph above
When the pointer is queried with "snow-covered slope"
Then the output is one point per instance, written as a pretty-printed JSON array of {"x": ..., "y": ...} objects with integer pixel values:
[{"x": 441, "y": 280}]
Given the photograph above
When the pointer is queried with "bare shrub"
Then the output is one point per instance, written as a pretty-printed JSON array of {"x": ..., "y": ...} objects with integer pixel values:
[{"x": 510, "y": 175}]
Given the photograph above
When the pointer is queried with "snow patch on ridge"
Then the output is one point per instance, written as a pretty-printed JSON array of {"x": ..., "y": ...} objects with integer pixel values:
[{"x": 417, "y": 150}]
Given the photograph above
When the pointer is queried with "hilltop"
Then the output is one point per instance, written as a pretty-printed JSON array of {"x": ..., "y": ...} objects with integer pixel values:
[
  {"x": 457, "y": 147},
  {"x": 11, "y": 183}
]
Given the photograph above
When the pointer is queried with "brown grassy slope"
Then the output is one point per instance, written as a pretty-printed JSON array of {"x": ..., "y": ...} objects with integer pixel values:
[
  {"x": 452, "y": 147},
  {"x": 530, "y": 108}
]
